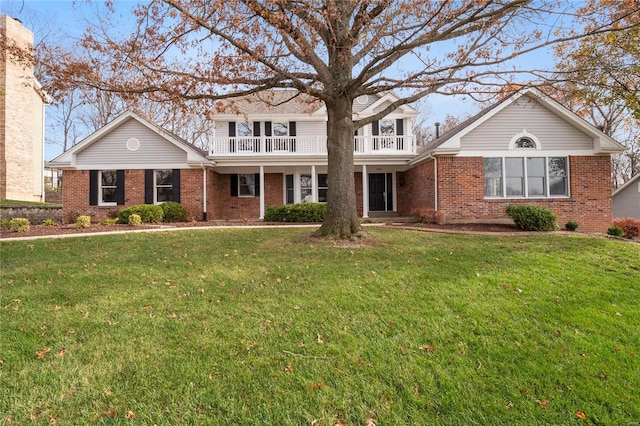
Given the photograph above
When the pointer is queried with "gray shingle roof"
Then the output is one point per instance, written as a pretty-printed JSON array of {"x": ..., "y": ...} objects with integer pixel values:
[{"x": 271, "y": 102}]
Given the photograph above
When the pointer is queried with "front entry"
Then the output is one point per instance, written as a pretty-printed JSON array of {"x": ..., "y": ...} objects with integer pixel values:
[{"x": 380, "y": 192}]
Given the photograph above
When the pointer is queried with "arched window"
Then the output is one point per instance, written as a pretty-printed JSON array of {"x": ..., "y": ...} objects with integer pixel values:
[{"x": 525, "y": 142}]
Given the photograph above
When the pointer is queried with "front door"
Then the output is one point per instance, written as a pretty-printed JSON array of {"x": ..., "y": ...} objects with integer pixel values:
[{"x": 380, "y": 192}]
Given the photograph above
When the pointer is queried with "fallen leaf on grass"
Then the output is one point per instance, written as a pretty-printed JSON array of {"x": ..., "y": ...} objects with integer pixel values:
[
  {"x": 62, "y": 352},
  {"x": 316, "y": 385},
  {"x": 581, "y": 415},
  {"x": 130, "y": 415},
  {"x": 428, "y": 348},
  {"x": 107, "y": 392},
  {"x": 52, "y": 420},
  {"x": 42, "y": 353},
  {"x": 319, "y": 340},
  {"x": 110, "y": 413},
  {"x": 289, "y": 369},
  {"x": 543, "y": 403},
  {"x": 370, "y": 422}
]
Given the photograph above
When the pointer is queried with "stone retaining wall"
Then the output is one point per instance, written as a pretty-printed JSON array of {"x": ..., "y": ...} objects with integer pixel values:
[{"x": 36, "y": 214}]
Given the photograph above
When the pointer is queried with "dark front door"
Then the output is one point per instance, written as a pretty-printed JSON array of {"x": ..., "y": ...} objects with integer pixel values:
[{"x": 377, "y": 192}]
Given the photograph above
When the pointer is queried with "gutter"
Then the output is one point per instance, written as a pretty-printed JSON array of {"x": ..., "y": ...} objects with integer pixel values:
[{"x": 204, "y": 192}]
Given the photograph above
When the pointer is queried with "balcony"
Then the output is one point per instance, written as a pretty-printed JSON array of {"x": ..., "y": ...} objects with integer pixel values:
[{"x": 309, "y": 146}]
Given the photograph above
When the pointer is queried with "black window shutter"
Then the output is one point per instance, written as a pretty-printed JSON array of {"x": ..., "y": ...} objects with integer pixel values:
[
  {"x": 292, "y": 128},
  {"x": 399, "y": 127},
  {"x": 93, "y": 187},
  {"x": 375, "y": 128},
  {"x": 234, "y": 185},
  {"x": 232, "y": 129},
  {"x": 267, "y": 128},
  {"x": 256, "y": 128},
  {"x": 175, "y": 183},
  {"x": 389, "y": 192},
  {"x": 257, "y": 180},
  {"x": 148, "y": 186},
  {"x": 120, "y": 187}
]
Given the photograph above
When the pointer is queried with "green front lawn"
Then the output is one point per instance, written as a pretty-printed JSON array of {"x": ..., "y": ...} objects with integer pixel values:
[
  {"x": 18, "y": 203},
  {"x": 263, "y": 327}
]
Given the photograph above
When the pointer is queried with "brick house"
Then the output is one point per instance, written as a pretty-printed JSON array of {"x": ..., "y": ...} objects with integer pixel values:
[{"x": 270, "y": 149}]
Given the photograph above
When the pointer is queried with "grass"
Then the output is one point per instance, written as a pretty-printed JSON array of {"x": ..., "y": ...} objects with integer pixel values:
[{"x": 260, "y": 326}]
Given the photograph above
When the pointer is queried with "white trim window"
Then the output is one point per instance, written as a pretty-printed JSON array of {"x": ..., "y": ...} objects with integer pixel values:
[
  {"x": 247, "y": 185},
  {"x": 387, "y": 133},
  {"x": 108, "y": 188},
  {"x": 163, "y": 183},
  {"x": 526, "y": 177},
  {"x": 244, "y": 133},
  {"x": 323, "y": 186},
  {"x": 280, "y": 136}
]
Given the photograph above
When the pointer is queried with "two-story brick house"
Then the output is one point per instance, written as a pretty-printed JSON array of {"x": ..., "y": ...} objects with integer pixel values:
[{"x": 270, "y": 149}]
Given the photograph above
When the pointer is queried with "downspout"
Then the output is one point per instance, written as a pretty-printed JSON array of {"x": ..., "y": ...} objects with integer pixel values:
[
  {"x": 204, "y": 192},
  {"x": 42, "y": 197}
]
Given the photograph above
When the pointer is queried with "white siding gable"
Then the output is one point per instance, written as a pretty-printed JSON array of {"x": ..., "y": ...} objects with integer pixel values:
[
  {"x": 526, "y": 114},
  {"x": 154, "y": 151}
]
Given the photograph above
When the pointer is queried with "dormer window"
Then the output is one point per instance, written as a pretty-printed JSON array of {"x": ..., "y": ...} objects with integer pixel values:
[{"x": 525, "y": 143}]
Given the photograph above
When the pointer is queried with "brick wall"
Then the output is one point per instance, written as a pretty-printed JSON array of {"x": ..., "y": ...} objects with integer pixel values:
[
  {"x": 461, "y": 193},
  {"x": 226, "y": 207},
  {"x": 417, "y": 190},
  {"x": 75, "y": 194}
]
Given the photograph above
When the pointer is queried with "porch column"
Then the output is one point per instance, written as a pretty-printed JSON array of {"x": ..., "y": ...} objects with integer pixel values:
[
  {"x": 261, "y": 192},
  {"x": 314, "y": 185},
  {"x": 365, "y": 193}
]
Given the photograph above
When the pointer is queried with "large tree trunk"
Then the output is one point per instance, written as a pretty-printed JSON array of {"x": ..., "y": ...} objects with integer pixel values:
[{"x": 341, "y": 221}]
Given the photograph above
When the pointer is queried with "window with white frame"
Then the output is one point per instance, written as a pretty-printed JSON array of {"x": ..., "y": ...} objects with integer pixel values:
[
  {"x": 281, "y": 136},
  {"x": 533, "y": 177},
  {"x": 306, "y": 189},
  {"x": 525, "y": 142},
  {"x": 244, "y": 133},
  {"x": 247, "y": 185},
  {"x": 387, "y": 133},
  {"x": 164, "y": 185},
  {"x": 108, "y": 189}
]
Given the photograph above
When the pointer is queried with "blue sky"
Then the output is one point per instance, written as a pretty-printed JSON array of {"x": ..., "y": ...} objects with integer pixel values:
[{"x": 65, "y": 20}]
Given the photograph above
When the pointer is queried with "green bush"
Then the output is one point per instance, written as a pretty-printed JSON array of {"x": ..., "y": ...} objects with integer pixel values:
[
  {"x": 173, "y": 212},
  {"x": 571, "y": 225},
  {"x": 615, "y": 231},
  {"x": 5, "y": 223},
  {"x": 149, "y": 213},
  {"x": 109, "y": 222},
  {"x": 83, "y": 221},
  {"x": 134, "y": 219},
  {"x": 19, "y": 224},
  {"x": 304, "y": 212},
  {"x": 532, "y": 218}
]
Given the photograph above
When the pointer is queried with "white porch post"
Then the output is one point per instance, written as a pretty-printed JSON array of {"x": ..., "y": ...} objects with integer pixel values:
[
  {"x": 314, "y": 185},
  {"x": 365, "y": 193},
  {"x": 261, "y": 192}
]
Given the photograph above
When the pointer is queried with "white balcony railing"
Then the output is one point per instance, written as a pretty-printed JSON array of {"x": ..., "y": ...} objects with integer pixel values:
[{"x": 309, "y": 145}]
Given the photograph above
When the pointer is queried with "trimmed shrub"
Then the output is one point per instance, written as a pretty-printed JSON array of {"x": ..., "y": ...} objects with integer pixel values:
[
  {"x": 83, "y": 221},
  {"x": 5, "y": 223},
  {"x": 19, "y": 224},
  {"x": 629, "y": 225},
  {"x": 571, "y": 225},
  {"x": 50, "y": 222},
  {"x": 303, "y": 212},
  {"x": 173, "y": 212},
  {"x": 149, "y": 213},
  {"x": 109, "y": 222},
  {"x": 532, "y": 218},
  {"x": 615, "y": 231},
  {"x": 134, "y": 219}
]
